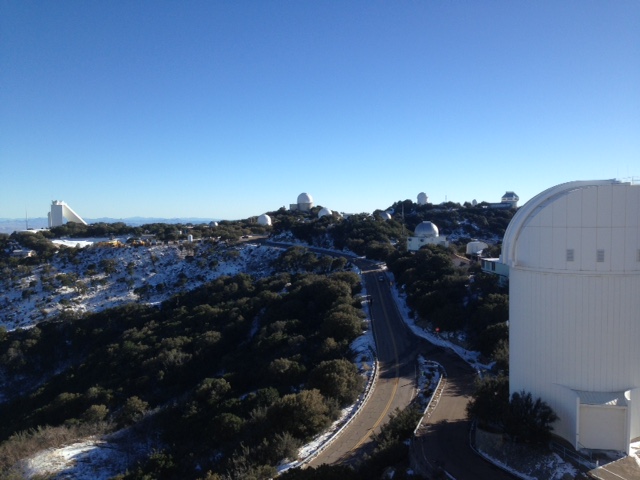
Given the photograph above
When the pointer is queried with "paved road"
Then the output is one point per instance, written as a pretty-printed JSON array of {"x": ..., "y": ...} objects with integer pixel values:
[
  {"x": 624, "y": 469},
  {"x": 444, "y": 440},
  {"x": 396, "y": 387}
]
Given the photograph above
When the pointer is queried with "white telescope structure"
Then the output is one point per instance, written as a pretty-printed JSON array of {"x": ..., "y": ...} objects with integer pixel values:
[
  {"x": 61, "y": 211},
  {"x": 573, "y": 253}
]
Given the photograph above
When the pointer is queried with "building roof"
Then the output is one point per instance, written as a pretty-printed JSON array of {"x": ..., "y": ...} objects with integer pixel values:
[
  {"x": 426, "y": 229},
  {"x": 305, "y": 198},
  {"x": 612, "y": 399},
  {"x": 530, "y": 209},
  {"x": 324, "y": 211}
]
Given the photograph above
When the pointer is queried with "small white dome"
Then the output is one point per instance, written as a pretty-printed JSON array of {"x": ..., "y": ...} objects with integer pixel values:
[
  {"x": 304, "y": 198},
  {"x": 324, "y": 211},
  {"x": 264, "y": 219},
  {"x": 385, "y": 215},
  {"x": 476, "y": 247},
  {"x": 427, "y": 229}
]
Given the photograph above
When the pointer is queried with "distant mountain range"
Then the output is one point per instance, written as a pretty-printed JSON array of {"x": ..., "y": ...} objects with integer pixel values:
[{"x": 10, "y": 225}]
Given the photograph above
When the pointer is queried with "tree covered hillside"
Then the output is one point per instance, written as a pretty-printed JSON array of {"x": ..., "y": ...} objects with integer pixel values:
[
  {"x": 230, "y": 378},
  {"x": 205, "y": 353}
]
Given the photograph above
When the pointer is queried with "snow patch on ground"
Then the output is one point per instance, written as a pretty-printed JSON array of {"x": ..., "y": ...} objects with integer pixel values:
[
  {"x": 100, "y": 459},
  {"x": 87, "y": 460},
  {"x": 97, "y": 277},
  {"x": 445, "y": 339}
]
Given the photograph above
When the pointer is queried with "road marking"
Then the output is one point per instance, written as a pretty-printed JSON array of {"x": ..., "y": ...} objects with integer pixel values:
[{"x": 397, "y": 380}]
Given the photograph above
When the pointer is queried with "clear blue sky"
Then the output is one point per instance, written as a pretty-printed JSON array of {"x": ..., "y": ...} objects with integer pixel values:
[{"x": 228, "y": 109}]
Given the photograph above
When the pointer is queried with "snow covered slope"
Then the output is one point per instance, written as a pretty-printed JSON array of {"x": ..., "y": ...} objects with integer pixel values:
[{"x": 99, "y": 276}]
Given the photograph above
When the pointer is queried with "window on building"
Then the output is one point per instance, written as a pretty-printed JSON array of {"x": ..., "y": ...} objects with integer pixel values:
[
  {"x": 569, "y": 254},
  {"x": 600, "y": 255}
]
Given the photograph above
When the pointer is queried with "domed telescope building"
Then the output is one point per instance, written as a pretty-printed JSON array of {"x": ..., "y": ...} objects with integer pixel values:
[
  {"x": 264, "y": 220},
  {"x": 303, "y": 204},
  {"x": 426, "y": 233},
  {"x": 573, "y": 257},
  {"x": 324, "y": 212}
]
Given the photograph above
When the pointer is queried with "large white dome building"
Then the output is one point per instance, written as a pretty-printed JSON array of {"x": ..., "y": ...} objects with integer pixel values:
[
  {"x": 303, "y": 204},
  {"x": 573, "y": 253}
]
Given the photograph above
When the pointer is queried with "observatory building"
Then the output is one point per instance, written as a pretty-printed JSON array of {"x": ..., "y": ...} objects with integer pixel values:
[
  {"x": 511, "y": 199},
  {"x": 264, "y": 220},
  {"x": 304, "y": 203},
  {"x": 573, "y": 256},
  {"x": 426, "y": 233},
  {"x": 385, "y": 216},
  {"x": 61, "y": 211},
  {"x": 324, "y": 212},
  {"x": 423, "y": 198}
]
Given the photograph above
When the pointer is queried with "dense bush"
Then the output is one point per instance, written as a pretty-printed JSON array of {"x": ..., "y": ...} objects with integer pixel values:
[
  {"x": 435, "y": 288},
  {"x": 520, "y": 417},
  {"x": 238, "y": 361}
]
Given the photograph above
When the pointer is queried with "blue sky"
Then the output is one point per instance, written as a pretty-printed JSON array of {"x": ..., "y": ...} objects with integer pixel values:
[{"x": 224, "y": 109}]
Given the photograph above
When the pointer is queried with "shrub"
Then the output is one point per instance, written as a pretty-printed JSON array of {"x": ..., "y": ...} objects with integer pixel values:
[
  {"x": 132, "y": 411},
  {"x": 528, "y": 420}
]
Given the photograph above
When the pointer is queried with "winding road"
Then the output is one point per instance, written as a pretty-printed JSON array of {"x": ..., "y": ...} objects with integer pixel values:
[
  {"x": 397, "y": 349},
  {"x": 444, "y": 440}
]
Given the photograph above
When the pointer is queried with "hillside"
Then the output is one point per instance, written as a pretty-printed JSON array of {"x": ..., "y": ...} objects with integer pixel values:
[
  {"x": 104, "y": 337},
  {"x": 240, "y": 350},
  {"x": 100, "y": 276}
]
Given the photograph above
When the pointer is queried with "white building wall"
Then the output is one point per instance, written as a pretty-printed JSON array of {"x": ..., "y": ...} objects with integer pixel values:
[
  {"x": 575, "y": 325},
  {"x": 571, "y": 333},
  {"x": 60, "y": 211},
  {"x": 55, "y": 216}
]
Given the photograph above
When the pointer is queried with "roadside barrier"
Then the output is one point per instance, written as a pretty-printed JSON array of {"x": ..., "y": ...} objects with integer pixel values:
[
  {"x": 435, "y": 397},
  {"x": 362, "y": 402}
]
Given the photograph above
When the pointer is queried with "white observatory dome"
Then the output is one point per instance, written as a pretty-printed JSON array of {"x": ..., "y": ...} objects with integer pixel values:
[
  {"x": 426, "y": 229},
  {"x": 573, "y": 253},
  {"x": 264, "y": 219},
  {"x": 385, "y": 216},
  {"x": 423, "y": 199},
  {"x": 324, "y": 211},
  {"x": 304, "y": 198}
]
